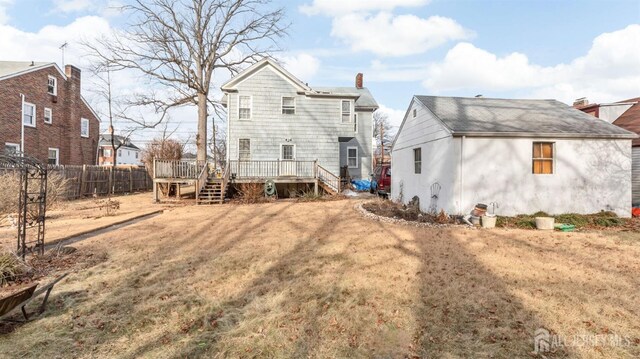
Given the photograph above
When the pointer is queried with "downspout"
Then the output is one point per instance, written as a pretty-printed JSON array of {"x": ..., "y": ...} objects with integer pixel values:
[
  {"x": 461, "y": 176},
  {"x": 22, "y": 125}
]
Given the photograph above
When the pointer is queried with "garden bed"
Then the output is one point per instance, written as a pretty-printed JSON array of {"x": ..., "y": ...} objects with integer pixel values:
[
  {"x": 597, "y": 221},
  {"x": 398, "y": 211}
]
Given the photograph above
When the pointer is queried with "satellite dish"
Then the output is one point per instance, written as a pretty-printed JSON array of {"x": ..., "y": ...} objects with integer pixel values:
[{"x": 269, "y": 188}]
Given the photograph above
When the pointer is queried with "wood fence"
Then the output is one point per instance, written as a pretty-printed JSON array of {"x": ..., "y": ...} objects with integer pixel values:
[{"x": 84, "y": 181}]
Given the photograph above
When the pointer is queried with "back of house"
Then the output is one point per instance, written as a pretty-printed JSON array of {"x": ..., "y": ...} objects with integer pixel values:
[
  {"x": 276, "y": 119},
  {"x": 523, "y": 155}
]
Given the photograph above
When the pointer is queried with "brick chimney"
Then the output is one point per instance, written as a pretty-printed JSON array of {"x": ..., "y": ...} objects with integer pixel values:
[
  {"x": 580, "y": 102},
  {"x": 73, "y": 105},
  {"x": 359, "y": 78}
]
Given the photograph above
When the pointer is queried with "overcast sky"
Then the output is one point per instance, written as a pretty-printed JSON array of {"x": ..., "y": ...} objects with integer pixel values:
[{"x": 508, "y": 48}]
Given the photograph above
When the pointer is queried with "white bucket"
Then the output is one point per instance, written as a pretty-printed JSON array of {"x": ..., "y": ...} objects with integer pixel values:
[
  {"x": 488, "y": 221},
  {"x": 545, "y": 223}
]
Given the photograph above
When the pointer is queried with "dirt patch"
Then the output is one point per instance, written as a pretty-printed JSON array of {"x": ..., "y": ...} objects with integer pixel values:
[{"x": 394, "y": 210}]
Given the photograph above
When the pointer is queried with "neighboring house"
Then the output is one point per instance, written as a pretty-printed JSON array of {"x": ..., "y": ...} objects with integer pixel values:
[
  {"x": 273, "y": 116},
  {"x": 124, "y": 153},
  {"x": 44, "y": 115},
  {"x": 524, "y": 155},
  {"x": 624, "y": 114}
]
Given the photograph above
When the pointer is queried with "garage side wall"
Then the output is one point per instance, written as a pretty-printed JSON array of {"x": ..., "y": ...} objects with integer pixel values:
[
  {"x": 590, "y": 175},
  {"x": 438, "y": 165}
]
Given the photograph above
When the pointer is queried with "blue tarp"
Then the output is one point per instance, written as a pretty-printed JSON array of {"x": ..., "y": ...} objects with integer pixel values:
[{"x": 361, "y": 185}]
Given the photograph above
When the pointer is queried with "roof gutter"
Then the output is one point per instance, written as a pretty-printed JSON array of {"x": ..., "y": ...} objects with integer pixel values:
[{"x": 629, "y": 135}]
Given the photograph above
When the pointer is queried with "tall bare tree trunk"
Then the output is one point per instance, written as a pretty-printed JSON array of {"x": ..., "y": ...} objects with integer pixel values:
[{"x": 201, "y": 137}]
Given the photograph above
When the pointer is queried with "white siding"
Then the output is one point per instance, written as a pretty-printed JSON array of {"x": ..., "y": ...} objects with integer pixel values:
[
  {"x": 635, "y": 176},
  {"x": 438, "y": 162},
  {"x": 589, "y": 176},
  {"x": 314, "y": 128}
]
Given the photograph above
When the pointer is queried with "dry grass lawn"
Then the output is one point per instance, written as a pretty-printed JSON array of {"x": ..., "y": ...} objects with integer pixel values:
[{"x": 318, "y": 280}]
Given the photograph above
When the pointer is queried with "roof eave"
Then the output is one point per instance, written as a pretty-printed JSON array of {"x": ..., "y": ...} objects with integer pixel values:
[{"x": 629, "y": 136}]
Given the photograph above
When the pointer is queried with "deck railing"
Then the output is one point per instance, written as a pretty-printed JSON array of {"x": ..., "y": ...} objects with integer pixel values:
[
  {"x": 272, "y": 169},
  {"x": 328, "y": 178},
  {"x": 180, "y": 169}
]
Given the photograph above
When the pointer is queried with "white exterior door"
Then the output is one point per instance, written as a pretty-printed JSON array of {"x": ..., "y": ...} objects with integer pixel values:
[{"x": 288, "y": 160}]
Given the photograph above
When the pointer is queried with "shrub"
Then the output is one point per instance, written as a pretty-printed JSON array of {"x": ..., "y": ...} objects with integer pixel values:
[
  {"x": 11, "y": 267},
  {"x": 577, "y": 220},
  {"x": 251, "y": 193},
  {"x": 10, "y": 190}
]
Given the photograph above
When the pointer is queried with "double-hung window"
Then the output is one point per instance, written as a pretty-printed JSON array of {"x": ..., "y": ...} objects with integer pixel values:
[
  {"x": 288, "y": 152},
  {"x": 417, "y": 160},
  {"x": 54, "y": 156},
  {"x": 244, "y": 107},
  {"x": 244, "y": 149},
  {"x": 543, "y": 157},
  {"x": 106, "y": 152},
  {"x": 352, "y": 157},
  {"x": 52, "y": 86},
  {"x": 345, "y": 106},
  {"x": 29, "y": 114},
  {"x": 288, "y": 105},
  {"x": 84, "y": 127},
  {"x": 48, "y": 115}
]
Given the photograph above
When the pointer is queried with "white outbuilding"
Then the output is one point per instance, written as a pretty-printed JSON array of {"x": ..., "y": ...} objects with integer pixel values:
[{"x": 524, "y": 155}]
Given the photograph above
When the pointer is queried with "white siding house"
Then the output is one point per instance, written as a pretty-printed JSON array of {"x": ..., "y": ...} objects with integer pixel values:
[
  {"x": 524, "y": 155},
  {"x": 273, "y": 116}
]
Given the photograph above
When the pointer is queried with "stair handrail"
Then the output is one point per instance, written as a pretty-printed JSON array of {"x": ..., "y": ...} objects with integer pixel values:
[
  {"x": 203, "y": 177},
  {"x": 328, "y": 178}
]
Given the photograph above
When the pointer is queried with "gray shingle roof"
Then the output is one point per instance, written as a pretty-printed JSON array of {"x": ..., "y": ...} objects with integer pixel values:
[
  {"x": 105, "y": 140},
  {"x": 365, "y": 99},
  {"x": 507, "y": 117},
  {"x": 13, "y": 67}
]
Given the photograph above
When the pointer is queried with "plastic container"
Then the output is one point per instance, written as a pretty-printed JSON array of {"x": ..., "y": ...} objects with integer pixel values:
[
  {"x": 565, "y": 227},
  {"x": 545, "y": 223},
  {"x": 488, "y": 221},
  {"x": 475, "y": 220}
]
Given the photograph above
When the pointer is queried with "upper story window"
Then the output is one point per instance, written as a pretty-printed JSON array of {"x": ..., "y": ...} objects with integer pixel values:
[
  {"x": 346, "y": 111},
  {"x": 29, "y": 114},
  {"x": 84, "y": 127},
  {"x": 48, "y": 115},
  {"x": 543, "y": 153},
  {"x": 52, "y": 85},
  {"x": 288, "y": 105},
  {"x": 106, "y": 152},
  {"x": 244, "y": 107},
  {"x": 415, "y": 112},
  {"x": 355, "y": 122}
]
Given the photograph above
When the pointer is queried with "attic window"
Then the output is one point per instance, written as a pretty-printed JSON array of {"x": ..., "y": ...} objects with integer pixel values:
[
  {"x": 543, "y": 157},
  {"x": 415, "y": 112},
  {"x": 52, "y": 86}
]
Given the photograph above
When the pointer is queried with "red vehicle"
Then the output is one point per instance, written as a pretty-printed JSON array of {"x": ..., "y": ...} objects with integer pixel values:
[{"x": 382, "y": 179}]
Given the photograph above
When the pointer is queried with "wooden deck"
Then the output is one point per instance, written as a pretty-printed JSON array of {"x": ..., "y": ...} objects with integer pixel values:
[{"x": 212, "y": 186}]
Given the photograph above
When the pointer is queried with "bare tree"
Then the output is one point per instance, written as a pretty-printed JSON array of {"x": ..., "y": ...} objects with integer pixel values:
[
  {"x": 218, "y": 144},
  {"x": 181, "y": 44},
  {"x": 382, "y": 133}
]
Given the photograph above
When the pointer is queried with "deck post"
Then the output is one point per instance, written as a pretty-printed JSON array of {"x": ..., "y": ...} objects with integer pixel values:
[
  {"x": 155, "y": 191},
  {"x": 315, "y": 187},
  {"x": 197, "y": 190}
]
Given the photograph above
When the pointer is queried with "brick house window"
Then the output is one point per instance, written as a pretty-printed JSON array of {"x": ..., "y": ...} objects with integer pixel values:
[
  {"x": 11, "y": 148},
  {"x": 543, "y": 153},
  {"x": 417, "y": 160},
  {"x": 106, "y": 152},
  {"x": 352, "y": 157},
  {"x": 84, "y": 127},
  {"x": 48, "y": 115},
  {"x": 29, "y": 114},
  {"x": 244, "y": 149},
  {"x": 54, "y": 156},
  {"x": 346, "y": 111},
  {"x": 52, "y": 86},
  {"x": 244, "y": 107}
]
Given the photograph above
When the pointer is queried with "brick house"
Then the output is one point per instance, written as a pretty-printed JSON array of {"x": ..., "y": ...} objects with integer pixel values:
[{"x": 59, "y": 125}]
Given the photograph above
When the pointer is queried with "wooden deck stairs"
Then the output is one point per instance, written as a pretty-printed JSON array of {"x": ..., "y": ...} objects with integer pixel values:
[{"x": 213, "y": 192}]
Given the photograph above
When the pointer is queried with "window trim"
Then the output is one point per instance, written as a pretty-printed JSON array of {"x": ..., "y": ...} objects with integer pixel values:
[
  {"x": 250, "y": 107},
  {"x": 357, "y": 157},
  {"x": 248, "y": 139},
  {"x": 342, "y": 113},
  {"x": 82, "y": 120},
  {"x": 55, "y": 85},
  {"x": 552, "y": 159},
  {"x": 57, "y": 155},
  {"x": 355, "y": 122},
  {"x": 50, "y": 115},
  {"x": 416, "y": 162},
  {"x": 293, "y": 151},
  {"x": 415, "y": 112},
  {"x": 14, "y": 145},
  {"x": 282, "y": 105},
  {"x": 34, "y": 117}
]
